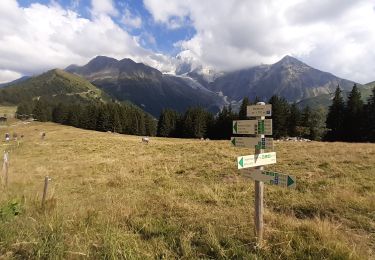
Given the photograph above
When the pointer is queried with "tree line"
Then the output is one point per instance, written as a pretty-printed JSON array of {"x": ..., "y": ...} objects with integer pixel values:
[
  {"x": 353, "y": 120},
  {"x": 115, "y": 117},
  {"x": 288, "y": 120}
]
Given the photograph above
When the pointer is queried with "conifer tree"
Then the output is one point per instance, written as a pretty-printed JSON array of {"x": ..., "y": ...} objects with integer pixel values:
[
  {"x": 60, "y": 113},
  {"x": 370, "y": 117},
  {"x": 335, "y": 117},
  {"x": 40, "y": 111},
  {"x": 243, "y": 109},
  {"x": 92, "y": 111},
  {"x": 353, "y": 121},
  {"x": 103, "y": 117},
  {"x": 150, "y": 125},
  {"x": 294, "y": 120},
  {"x": 74, "y": 115},
  {"x": 222, "y": 128},
  {"x": 280, "y": 115},
  {"x": 167, "y": 123},
  {"x": 24, "y": 109}
]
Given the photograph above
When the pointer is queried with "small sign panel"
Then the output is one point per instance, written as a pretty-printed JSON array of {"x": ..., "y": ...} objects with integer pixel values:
[
  {"x": 245, "y": 127},
  {"x": 270, "y": 177},
  {"x": 252, "y": 142},
  {"x": 252, "y": 127},
  {"x": 256, "y": 160},
  {"x": 259, "y": 110}
]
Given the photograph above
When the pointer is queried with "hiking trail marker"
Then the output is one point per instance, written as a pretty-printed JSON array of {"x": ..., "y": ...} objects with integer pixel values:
[
  {"x": 252, "y": 127},
  {"x": 259, "y": 159},
  {"x": 271, "y": 178},
  {"x": 259, "y": 127},
  {"x": 253, "y": 142}
]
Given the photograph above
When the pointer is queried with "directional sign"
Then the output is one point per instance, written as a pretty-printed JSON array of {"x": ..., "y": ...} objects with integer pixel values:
[
  {"x": 246, "y": 127},
  {"x": 252, "y": 127},
  {"x": 251, "y": 142},
  {"x": 259, "y": 110},
  {"x": 256, "y": 160},
  {"x": 272, "y": 178}
]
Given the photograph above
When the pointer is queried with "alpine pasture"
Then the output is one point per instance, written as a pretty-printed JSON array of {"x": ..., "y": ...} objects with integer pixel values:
[{"x": 113, "y": 196}]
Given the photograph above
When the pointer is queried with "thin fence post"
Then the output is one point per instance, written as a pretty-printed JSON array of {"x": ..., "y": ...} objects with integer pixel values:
[
  {"x": 6, "y": 167},
  {"x": 45, "y": 190}
]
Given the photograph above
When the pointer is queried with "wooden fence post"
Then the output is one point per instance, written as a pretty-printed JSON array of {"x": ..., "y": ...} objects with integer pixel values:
[
  {"x": 45, "y": 190},
  {"x": 6, "y": 167}
]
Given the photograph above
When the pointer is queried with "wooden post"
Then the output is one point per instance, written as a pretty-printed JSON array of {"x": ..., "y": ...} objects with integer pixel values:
[
  {"x": 259, "y": 186},
  {"x": 5, "y": 167},
  {"x": 46, "y": 181}
]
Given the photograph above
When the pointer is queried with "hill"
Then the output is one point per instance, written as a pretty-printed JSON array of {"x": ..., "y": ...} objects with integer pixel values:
[
  {"x": 325, "y": 100},
  {"x": 113, "y": 197},
  {"x": 55, "y": 85},
  {"x": 289, "y": 78},
  {"x": 14, "y": 81},
  {"x": 145, "y": 86}
]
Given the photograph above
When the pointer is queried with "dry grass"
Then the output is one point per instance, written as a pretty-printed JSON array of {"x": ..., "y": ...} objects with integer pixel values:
[
  {"x": 10, "y": 110},
  {"x": 113, "y": 197}
]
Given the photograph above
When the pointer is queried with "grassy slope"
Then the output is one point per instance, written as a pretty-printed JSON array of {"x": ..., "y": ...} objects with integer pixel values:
[
  {"x": 53, "y": 84},
  {"x": 7, "y": 110},
  {"x": 112, "y": 196}
]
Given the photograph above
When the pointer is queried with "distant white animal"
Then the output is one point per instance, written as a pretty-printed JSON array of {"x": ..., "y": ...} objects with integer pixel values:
[{"x": 145, "y": 140}]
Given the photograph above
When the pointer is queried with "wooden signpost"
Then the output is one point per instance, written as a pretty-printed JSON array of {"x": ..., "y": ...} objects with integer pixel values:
[{"x": 259, "y": 127}]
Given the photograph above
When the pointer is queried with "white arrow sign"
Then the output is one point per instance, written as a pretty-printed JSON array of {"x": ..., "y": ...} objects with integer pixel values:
[
  {"x": 256, "y": 160},
  {"x": 270, "y": 177}
]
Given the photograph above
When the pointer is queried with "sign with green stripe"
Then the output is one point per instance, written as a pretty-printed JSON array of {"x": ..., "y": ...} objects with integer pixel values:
[
  {"x": 252, "y": 127},
  {"x": 253, "y": 142},
  {"x": 270, "y": 177}
]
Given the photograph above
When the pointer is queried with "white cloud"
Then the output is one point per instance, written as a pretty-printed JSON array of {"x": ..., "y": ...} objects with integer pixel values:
[
  {"x": 130, "y": 20},
  {"x": 100, "y": 7},
  {"x": 8, "y": 75},
  {"x": 337, "y": 36},
  {"x": 40, "y": 37}
]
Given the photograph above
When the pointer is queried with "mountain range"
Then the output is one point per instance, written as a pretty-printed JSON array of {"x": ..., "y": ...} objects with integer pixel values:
[
  {"x": 289, "y": 78},
  {"x": 147, "y": 87},
  {"x": 107, "y": 78}
]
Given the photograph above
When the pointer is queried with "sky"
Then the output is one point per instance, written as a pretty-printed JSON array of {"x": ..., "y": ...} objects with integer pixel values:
[{"x": 337, "y": 36}]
